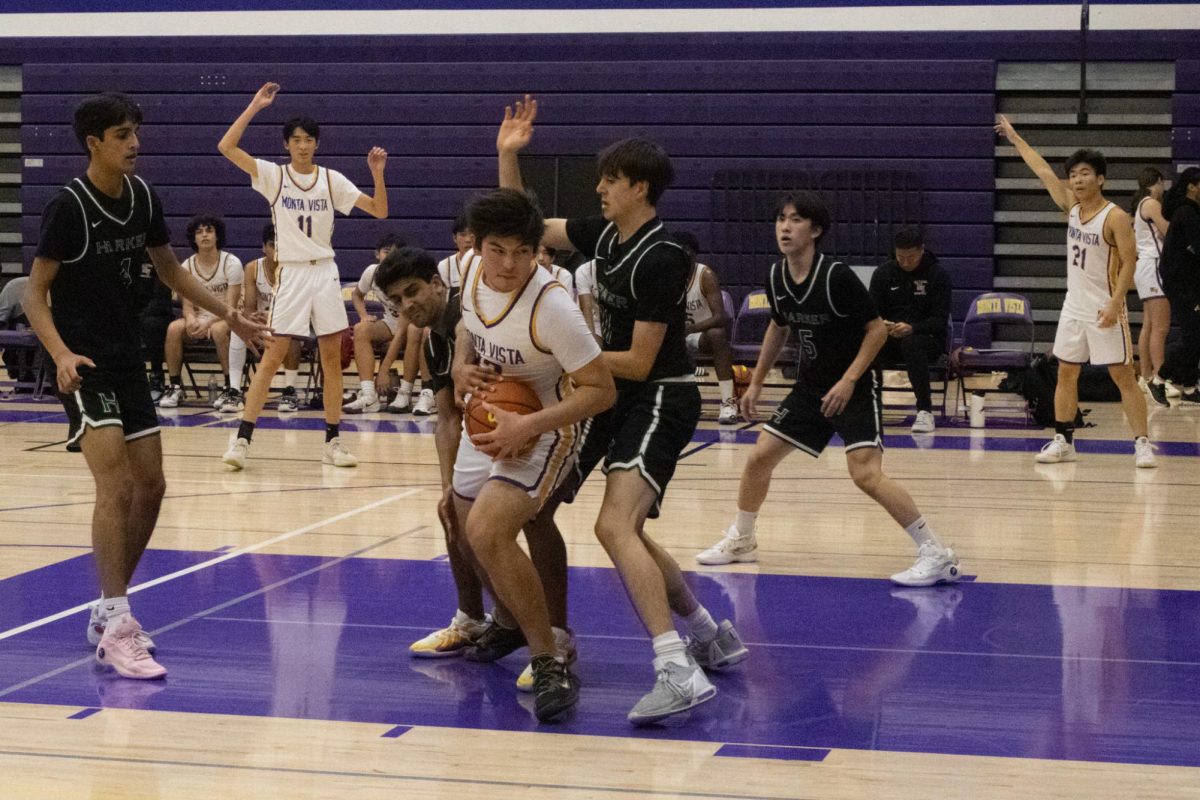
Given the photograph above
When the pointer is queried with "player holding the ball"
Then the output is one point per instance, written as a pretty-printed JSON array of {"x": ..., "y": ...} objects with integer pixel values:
[{"x": 519, "y": 324}]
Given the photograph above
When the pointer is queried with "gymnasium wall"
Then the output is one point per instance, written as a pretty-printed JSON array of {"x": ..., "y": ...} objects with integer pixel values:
[{"x": 799, "y": 93}]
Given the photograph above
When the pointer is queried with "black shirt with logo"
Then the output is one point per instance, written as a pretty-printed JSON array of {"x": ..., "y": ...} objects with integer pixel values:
[
  {"x": 100, "y": 244},
  {"x": 642, "y": 279},
  {"x": 439, "y": 344},
  {"x": 828, "y": 311}
]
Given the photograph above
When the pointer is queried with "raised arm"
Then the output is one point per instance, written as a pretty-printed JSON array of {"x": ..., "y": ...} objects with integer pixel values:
[
  {"x": 233, "y": 137},
  {"x": 377, "y": 204},
  {"x": 1060, "y": 190},
  {"x": 516, "y": 132}
]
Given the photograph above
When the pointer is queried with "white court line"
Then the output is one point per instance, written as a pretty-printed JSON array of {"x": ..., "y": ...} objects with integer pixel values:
[{"x": 214, "y": 561}]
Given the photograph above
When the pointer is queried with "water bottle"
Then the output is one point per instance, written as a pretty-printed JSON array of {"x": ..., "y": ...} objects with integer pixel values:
[
  {"x": 975, "y": 412},
  {"x": 212, "y": 390}
]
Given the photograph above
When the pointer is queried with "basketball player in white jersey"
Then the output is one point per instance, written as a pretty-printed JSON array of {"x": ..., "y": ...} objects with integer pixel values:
[
  {"x": 521, "y": 323},
  {"x": 545, "y": 259},
  {"x": 452, "y": 267},
  {"x": 1093, "y": 326},
  {"x": 308, "y": 293},
  {"x": 706, "y": 324},
  {"x": 368, "y": 332},
  {"x": 221, "y": 273},
  {"x": 1149, "y": 229},
  {"x": 258, "y": 290}
]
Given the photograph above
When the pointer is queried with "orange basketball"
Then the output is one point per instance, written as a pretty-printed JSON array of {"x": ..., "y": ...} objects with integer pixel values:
[
  {"x": 742, "y": 375},
  {"x": 506, "y": 394}
]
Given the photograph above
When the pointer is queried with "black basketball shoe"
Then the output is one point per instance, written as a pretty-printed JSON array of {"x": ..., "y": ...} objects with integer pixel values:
[
  {"x": 495, "y": 643},
  {"x": 555, "y": 688}
]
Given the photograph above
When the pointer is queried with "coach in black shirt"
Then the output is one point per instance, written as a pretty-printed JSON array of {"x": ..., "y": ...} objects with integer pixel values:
[{"x": 912, "y": 293}]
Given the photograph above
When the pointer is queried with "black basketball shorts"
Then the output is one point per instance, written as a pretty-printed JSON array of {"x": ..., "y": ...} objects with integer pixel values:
[
  {"x": 111, "y": 397},
  {"x": 799, "y": 422},
  {"x": 646, "y": 430}
]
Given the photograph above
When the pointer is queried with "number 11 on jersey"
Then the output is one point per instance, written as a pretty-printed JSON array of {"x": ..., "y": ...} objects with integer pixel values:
[{"x": 305, "y": 223}]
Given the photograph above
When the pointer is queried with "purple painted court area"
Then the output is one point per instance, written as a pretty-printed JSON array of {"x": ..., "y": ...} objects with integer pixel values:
[{"x": 980, "y": 669}]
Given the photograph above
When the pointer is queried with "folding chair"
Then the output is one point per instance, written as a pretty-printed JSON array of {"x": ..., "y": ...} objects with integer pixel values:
[
  {"x": 976, "y": 355},
  {"x": 749, "y": 328}
]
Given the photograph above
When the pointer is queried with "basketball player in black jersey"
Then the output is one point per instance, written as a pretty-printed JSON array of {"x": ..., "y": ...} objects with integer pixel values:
[
  {"x": 94, "y": 232},
  {"x": 840, "y": 333},
  {"x": 641, "y": 286}
]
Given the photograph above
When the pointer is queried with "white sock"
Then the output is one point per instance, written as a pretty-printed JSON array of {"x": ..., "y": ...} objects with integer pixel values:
[
  {"x": 669, "y": 649},
  {"x": 921, "y": 532},
  {"x": 289, "y": 377},
  {"x": 406, "y": 388},
  {"x": 726, "y": 389},
  {"x": 367, "y": 388},
  {"x": 701, "y": 625},
  {"x": 237, "y": 361},
  {"x": 113, "y": 607},
  {"x": 743, "y": 523},
  {"x": 1157, "y": 380}
]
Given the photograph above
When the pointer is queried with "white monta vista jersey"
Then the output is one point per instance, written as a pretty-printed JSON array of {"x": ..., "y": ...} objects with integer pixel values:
[
  {"x": 302, "y": 209},
  {"x": 697, "y": 305},
  {"x": 1092, "y": 266},
  {"x": 534, "y": 334}
]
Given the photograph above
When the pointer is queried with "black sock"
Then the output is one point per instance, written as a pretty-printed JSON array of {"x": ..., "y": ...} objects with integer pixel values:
[
  {"x": 177, "y": 380},
  {"x": 331, "y": 432},
  {"x": 1067, "y": 429},
  {"x": 245, "y": 430}
]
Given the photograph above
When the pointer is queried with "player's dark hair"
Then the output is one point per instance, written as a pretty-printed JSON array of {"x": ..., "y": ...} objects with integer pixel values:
[
  {"x": 506, "y": 213},
  {"x": 306, "y": 124},
  {"x": 1092, "y": 158},
  {"x": 206, "y": 220},
  {"x": 1148, "y": 177},
  {"x": 403, "y": 263},
  {"x": 638, "y": 160},
  {"x": 393, "y": 240},
  {"x": 688, "y": 241},
  {"x": 553, "y": 251},
  {"x": 908, "y": 239},
  {"x": 94, "y": 115},
  {"x": 268, "y": 233},
  {"x": 809, "y": 206},
  {"x": 460, "y": 222},
  {"x": 1176, "y": 196}
]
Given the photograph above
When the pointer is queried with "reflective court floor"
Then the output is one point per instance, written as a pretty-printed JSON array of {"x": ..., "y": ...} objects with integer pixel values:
[{"x": 284, "y": 598}]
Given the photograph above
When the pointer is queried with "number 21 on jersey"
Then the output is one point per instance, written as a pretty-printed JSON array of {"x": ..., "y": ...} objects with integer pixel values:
[{"x": 1080, "y": 257}]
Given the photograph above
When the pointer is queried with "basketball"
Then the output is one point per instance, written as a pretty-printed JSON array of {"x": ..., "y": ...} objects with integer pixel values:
[
  {"x": 506, "y": 394},
  {"x": 347, "y": 348},
  {"x": 742, "y": 375}
]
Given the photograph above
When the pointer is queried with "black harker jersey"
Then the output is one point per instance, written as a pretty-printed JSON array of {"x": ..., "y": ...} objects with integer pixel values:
[
  {"x": 100, "y": 243},
  {"x": 439, "y": 344},
  {"x": 642, "y": 279},
  {"x": 828, "y": 311}
]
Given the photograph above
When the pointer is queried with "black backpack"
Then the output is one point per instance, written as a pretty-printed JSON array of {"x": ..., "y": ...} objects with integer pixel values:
[{"x": 1037, "y": 387}]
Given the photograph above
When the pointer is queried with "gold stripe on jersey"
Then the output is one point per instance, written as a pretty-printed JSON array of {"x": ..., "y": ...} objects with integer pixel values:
[
  {"x": 512, "y": 300},
  {"x": 1113, "y": 267},
  {"x": 278, "y": 283},
  {"x": 556, "y": 461}
]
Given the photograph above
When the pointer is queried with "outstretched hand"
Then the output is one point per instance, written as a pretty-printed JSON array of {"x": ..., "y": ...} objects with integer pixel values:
[
  {"x": 1005, "y": 128},
  {"x": 265, "y": 96},
  {"x": 516, "y": 131},
  {"x": 377, "y": 160}
]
